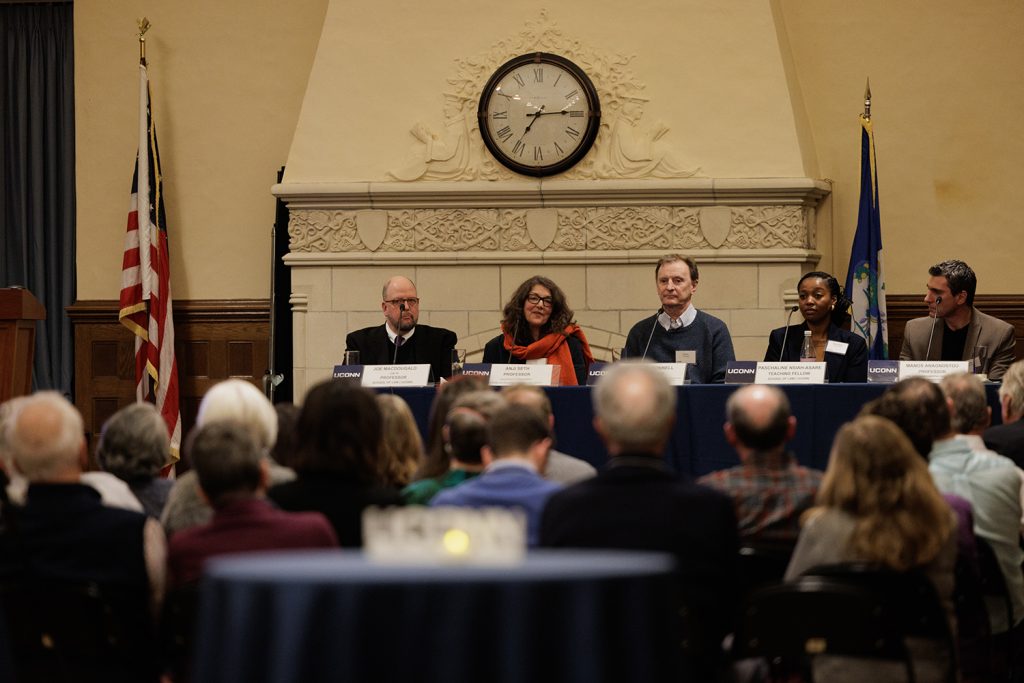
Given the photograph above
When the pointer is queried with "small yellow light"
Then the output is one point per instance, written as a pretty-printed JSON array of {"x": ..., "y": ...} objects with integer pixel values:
[{"x": 456, "y": 542}]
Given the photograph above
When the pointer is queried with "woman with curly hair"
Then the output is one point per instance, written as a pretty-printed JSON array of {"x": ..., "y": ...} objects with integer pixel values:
[
  {"x": 824, "y": 309},
  {"x": 538, "y": 327},
  {"x": 878, "y": 504}
]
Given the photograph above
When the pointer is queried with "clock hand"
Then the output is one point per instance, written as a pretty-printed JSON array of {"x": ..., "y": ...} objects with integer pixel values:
[{"x": 535, "y": 115}]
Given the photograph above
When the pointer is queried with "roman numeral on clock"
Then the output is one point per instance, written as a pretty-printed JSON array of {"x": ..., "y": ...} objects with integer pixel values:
[{"x": 504, "y": 133}]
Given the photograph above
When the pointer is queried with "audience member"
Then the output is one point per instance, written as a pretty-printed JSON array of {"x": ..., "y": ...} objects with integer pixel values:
[
  {"x": 561, "y": 467},
  {"x": 878, "y": 504},
  {"x": 636, "y": 503},
  {"x": 972, "y": 416},
  {"x": 518, "y": 439},
  {"x": 769, "y": 489},
  {"x": 1008, "y": 438},
  {"x": 336, "y": 459},
  {"x": 965, "y": 330},
  {"x": 233, "y": 476},
  {"x": 436, "y": 460},
  {"x": 284, "y": 445},
  {"x": 824, "y": 309},
  {"x": 465, "y": 434},
  {"x": 415, "y": 343},
  {"x": 990, "y": 484},
  {"x": 64, "y": 532},
  {"x": 678, "y": 326},
  {"x": 134, "y": 446},
  {"x": 538, "y": 327},
  {"x": 231, "y": 400},
  {"x": 401, "y": 450}
]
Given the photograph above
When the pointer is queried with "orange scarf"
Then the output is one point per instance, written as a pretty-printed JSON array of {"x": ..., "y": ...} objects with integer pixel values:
[{"x": 555, "y": 348}]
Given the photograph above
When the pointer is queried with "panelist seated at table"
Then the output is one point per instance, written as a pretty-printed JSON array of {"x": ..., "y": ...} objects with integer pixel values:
[
  {"x": 415, "y": 343},
  {"x": 824, "y": 309},
  {"x": 537, "y": 327},
  {"x": 964, "y": 331},
  {"x": 679, "y": 326}
]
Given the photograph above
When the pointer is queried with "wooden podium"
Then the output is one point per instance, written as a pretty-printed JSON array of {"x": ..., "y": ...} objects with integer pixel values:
[{"x": 19, "y": 311}]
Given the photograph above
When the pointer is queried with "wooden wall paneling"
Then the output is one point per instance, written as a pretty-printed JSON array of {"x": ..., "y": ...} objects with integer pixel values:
[{"x": 214, "y": 340}]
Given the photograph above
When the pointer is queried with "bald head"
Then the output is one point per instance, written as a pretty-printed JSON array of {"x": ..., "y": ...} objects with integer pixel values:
[
  {"x": 759, "y": 418},
  {"x": 398, "y": 283},
  {"x": 634, "y": 407},
  {"x": 45, "y": 438},
  {"x": 400, "y": 304}
]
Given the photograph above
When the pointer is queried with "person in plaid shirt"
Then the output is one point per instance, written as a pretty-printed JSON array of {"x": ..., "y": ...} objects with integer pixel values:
[{"x": 769, "y": 489}]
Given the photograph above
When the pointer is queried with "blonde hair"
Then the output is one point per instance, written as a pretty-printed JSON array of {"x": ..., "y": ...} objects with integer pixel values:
[
  {"x": 875, "y": 475},
  {"x": 401, "y": 449}
]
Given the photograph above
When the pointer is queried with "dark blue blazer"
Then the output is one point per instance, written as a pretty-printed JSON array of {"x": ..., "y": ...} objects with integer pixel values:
[
  {"x": 431, "y": 345},
  {"x": 849, "y": 367}
]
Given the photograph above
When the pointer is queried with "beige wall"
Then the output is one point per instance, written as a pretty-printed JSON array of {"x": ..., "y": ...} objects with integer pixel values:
[{"x": 229, "y": 78}]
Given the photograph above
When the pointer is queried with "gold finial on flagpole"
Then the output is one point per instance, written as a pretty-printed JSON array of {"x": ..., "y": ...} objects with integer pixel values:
[
  {"x": 867, "y": 99},
  {"x": 143, "y": 27}
]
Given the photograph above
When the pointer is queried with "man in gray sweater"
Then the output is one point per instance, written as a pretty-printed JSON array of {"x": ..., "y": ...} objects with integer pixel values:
[{"x": 678, "y": 326}]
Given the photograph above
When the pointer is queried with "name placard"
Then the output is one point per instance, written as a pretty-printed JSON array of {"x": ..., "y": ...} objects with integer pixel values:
[
  {"x": 933, "y": 370},
  {"x": 595, "y": 372},
  {"x": 790, "y": 373},
  {"x": 674, "y": 372},
  {"x": 417, "y": 375},
  {"x": 507, "y": 374},
  {"x": 883, "y": 371},
  {"x": 740, "y": 371},
  {"x": 348, "y": 372}
]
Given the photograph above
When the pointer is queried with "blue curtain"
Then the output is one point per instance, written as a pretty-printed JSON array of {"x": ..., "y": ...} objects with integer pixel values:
[{"x": 37, "y": 174}]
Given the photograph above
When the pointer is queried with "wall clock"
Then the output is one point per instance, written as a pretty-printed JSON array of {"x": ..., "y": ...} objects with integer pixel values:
[{"x": 539, "y": 114}]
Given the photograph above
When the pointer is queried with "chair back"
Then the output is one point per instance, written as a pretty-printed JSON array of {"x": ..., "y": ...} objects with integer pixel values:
[
  {"x": 762, "y": 563},
  {"x": 78, "y": 631}
]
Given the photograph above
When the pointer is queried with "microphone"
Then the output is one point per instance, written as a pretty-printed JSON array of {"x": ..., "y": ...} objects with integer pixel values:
[
  {"x": 515, "y": 331},
  {"x": 792, "y": 310},
  {"x": 653, "y": 327},
  {"x": 935, "y": 319},
  {"x": 401, "y": 311}
]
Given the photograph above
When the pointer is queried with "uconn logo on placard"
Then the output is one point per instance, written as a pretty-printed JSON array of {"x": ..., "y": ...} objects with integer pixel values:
[
  {"x": 883, "y": 371},
  {"x": 740, "y": 372}
]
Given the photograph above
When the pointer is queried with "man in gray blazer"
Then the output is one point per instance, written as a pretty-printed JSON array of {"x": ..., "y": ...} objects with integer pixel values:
[{"x": 966, "y": 332}]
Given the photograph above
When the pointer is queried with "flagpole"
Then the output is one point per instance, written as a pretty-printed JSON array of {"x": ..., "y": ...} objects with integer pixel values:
[
  {"x": 867, "y": 100},
  {"x": 143, "y": 27}
]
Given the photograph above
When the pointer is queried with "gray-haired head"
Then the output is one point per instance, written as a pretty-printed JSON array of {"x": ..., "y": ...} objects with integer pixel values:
[
  {"x": 45, "y": 437},
  {"x": 634, "y": 406},
  {"x": 241, "y": 402},
  {"x": 134, "y": 444}
]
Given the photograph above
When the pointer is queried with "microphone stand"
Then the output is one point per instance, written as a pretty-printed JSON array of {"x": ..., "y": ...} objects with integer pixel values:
[
  {"x": 792, "y": 310},
  {"x": 401, "y": 311},
  {"x": 935, "y": 319},
  {"x": 651, "y": 336}
]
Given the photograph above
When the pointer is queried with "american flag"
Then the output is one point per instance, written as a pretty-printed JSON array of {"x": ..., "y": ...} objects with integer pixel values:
[{"x": 146, "y": 278}]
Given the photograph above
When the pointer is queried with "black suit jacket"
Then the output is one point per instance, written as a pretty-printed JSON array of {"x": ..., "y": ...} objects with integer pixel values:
[
  {"x": 636, "y": 503},
  {"x": 1008, "y": 440},
  {"x": 431, "y": 345},
  {"x": 849, "y": 367}
]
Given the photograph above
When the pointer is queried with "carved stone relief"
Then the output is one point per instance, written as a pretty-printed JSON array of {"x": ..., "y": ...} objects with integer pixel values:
[
  {"x": 625, "y": 147},
  {"x": 564, "y": 230}
]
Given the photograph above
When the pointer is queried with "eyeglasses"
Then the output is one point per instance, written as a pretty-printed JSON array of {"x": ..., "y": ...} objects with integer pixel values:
[
  {"x": 410, "y": 301},
  {"x": 537, "y": 299}
]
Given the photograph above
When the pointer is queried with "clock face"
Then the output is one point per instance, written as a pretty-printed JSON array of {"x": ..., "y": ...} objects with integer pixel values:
[{"x": 539, "y": 114}]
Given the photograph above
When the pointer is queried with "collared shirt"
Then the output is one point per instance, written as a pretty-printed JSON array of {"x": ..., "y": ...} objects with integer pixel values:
[
  {"x": 685, "y": 320},
  {"x": 406, "y": 336},
  {"x": 977, "y": 445},
  {"x": 770, "y": 491},
  {"x": 505, "y": 463},
  {"x": 991, "y": 485}
]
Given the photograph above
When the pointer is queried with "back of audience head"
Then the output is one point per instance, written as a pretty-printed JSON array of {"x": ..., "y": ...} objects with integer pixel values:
[
  {"x": 759, "y": 418},
  {"x": 970, "y": 405},
  {"x": 875, "y": 475},
  {"x": 283, "y": 450},
  {"x": 466, "y": 427},
  {"x": 45, "y": 438},
  {"x": 134, "y": 444},
  {"x": 228, "y": 462},
  {"x": 402, "y": 447},
  {"x": 339, "y": 432},
  {"x": 530, "y": 396},
  {"x": 1011, "y": 392},
  {"x": 634, "y": 408},
  {"x": 436, "y": 461},
  {"x": 916, "y": 406},
  {"x": 518, "y": 430},
  {"x": 242, "y": 402}
]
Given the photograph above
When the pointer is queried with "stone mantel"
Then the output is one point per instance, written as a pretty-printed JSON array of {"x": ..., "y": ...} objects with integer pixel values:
[{"x": 553, "y": 193}]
